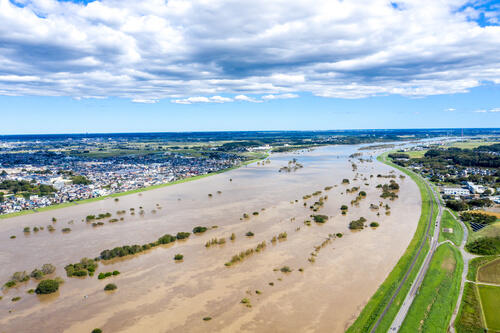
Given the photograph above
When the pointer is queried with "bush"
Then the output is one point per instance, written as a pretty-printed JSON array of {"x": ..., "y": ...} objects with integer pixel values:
[
  {"x": 320, "y": 218},
  {"x": 249, "y": 234},
  {"x": 48, "y": 269},
  {"x": 182, "y": 235},
  {"x": 166, "y": 239},
  {"x": 485, "y": 246},
  {"x": 37, "y": 274},
  {"x": 15, "y": 299},
  {"x": 344, "y": 207},
  {"x": 178, "y": 257},
  {"x": 457, "y": 205},
  {"x": 47, "y": 287},
  {"x": 26, "y": 229},
  {"x": 374, "y": 224},
  {"x": 84, "y": 267},
  {"x": 96, "y": 330},
  {"x": 10, "y": 284},
  {"x": 198, "y": 230},
  {"x": 285, "y": 269},
  {"x": 110, "y": 286},
  {"x": 66, "y": 230}
]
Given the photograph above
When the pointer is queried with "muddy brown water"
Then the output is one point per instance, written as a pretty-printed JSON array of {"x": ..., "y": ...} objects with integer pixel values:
[{"x": 157, "y": 294}]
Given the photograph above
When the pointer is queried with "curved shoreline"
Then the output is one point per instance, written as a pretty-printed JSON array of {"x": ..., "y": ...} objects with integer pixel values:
[
  {"x": 373, "y": 313},
  {"x": 120, "y": 194}
]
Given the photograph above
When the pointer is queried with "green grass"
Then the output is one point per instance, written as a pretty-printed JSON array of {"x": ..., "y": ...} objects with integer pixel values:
[
  {"x": 448, "y": 221},
  {"x": 492, "y": 230},
  {"x": 432, "y": 308},
  {"x": 469, "y": 319},
  {"x": 490, "y": 301},
  {"x": 490, "y": 272},
  {"x": 416, "y": 153},
  {"x": 475, "y": 263},
  {"x": 115, "y": 195},
  {"x": 375, "y": 306}
]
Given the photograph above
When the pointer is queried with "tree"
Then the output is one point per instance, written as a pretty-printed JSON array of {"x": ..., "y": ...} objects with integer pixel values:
[{"x": 47, "y": 287}]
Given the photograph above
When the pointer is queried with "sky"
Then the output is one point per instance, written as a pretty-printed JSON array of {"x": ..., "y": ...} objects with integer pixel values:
[{"x": 155, "y": 65}]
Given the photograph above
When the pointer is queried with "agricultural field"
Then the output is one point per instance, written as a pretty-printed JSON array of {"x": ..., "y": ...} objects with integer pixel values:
[
  {"x": 490, "y": 301},
  {"x": 492, "y": 230},
  {"x": 490, "y": 272},
  {"x": 432, "y": 307},
  {"x": 448, "y": 221},
  {"x": 469, "y": 319}
]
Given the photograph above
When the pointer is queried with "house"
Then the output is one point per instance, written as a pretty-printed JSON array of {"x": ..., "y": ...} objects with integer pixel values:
[{"x": 456, "y": 191}]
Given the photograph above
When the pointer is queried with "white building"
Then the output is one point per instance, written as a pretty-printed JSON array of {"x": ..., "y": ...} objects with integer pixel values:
[
  {"x": 456, "y": 191},
  {"x": 475, "y": 188}
]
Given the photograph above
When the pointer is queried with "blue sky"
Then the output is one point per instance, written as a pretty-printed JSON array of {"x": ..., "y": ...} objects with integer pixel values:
[{"x": 153, "y": 65}]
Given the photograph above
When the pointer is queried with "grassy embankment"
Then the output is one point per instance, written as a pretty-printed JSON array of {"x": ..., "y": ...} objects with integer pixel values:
[
  {"x": 377, "y": 303},
  {"x": 115, "y": 195},
  {"x": 448, "y": 221},
  {"x": 469, "y": 319},
  {"x": 490, "y": 272},
  {"x": 433, "y": 306}
]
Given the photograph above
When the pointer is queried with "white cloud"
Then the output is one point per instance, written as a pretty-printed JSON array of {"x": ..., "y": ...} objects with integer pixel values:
[
  {"x": 480, "y": 111},
  {"x": 450, "y": 110},
  {"x": 177, "y": 48},
  {"x": 202, "y": 99},
  {"x": 282, "y": 96},
  {"x": 145, "y": 100},
  {"x": 246, "y": 98},
  {"x": 495, "y": 110}
]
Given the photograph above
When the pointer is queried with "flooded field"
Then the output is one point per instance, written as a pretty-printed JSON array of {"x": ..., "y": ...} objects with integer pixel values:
[{"x": 331, "y": 277}]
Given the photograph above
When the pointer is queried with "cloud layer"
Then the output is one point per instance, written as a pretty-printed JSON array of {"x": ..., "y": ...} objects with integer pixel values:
[{"x": 222, "y": 51}]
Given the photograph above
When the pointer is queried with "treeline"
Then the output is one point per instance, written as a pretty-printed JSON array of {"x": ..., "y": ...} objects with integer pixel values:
[{"x": 24, "y": 186}]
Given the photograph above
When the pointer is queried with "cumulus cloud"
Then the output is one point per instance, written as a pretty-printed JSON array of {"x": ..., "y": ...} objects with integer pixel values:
[
  {"x": 153, "y": 49},
  {"x": 202, "y": 99},
  {"x": 281, "y": 96},
  {"x": 450, "y": 110}
]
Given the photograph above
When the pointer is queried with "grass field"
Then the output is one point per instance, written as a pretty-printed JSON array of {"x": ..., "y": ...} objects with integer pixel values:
[
  {"x": 375, "y": 306},
  {"x": 416, "y": 153},
  {"x": 490, "y": 301},
  {"x": 433, "y": 306},
  {"x": 492, "y": 230},
  {"x": 470, "y": 144},
  {"x": 469, "y": 319},
  {"x": 475, "y": 263},
  {"x": 448, "y": 221},
  {"x": 115, "y": 195},
  {"x": 490, "y": 273}
]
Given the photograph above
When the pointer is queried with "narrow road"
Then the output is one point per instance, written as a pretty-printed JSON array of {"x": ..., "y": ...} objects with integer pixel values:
[
  {"x": 466, "y": 257},
  {"x": 405, "y": 307}
]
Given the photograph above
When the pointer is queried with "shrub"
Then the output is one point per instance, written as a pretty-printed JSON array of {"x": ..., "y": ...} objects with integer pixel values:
[
  {"x": 12, "y": 237},
  {"x": 485, "y": 246},
  {"x": 249, "y": 234},
  {"x": 182, "y": 235},
  {"x": 198, "y": 230},
  {"x": 285, "y": 269},
  {"x": 166, "y": 239},
  {"x": 47, "y": 287},
  {"x": 320, "y": 218},
  {"x": 15, "y": 299},
  {"x": 339, "y": 235},
  {"x": 10, "y": 284},
  {"x": 36, "y": 229},
  {"x": 345, "y": 181},
  {"x": 110, "y": 286},
  {"x": 116, "y": 273},
  {"x": 26, "y": 229},
  {"x": 233, "y": 237},
  {"x": 362, "y": 194},
  {"x": 37, "y": 274},
  {"x": 96, "y": 330},
  {"x": 20, "y": 276},
  {"x": 48, "y": 269},
  {"x": 255, "y": 213},
  {"x": 66, "y": 230},
  {"x": 207, "y": 318},
  {"x": 344, "y": 207},
  {"x": 374, "y": 224},
  {"x": 84, "y": 267},
  {"x": 178, "y": 257}
]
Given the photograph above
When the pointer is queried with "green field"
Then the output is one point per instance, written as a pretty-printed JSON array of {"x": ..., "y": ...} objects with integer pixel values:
[
  {"x": 475, "y": 263},
  {"x": 416, "y": 153},
  {"x": 375, "y": 306},
  {"x": 490, "y": 301},
  {"x": 115, "y": 195},
  {"x": 433, "y": 306},
  {"x": 492, "y": 230},
  {"x": 490, "y": 273},
  {"x": 448, "y": 221},
  {"x": 469, "y": 319}
]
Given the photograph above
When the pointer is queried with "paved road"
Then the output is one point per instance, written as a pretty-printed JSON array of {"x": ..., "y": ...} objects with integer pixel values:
[
  {"x": 466, "y": 257},
  {"x": 403, "y": 310}
]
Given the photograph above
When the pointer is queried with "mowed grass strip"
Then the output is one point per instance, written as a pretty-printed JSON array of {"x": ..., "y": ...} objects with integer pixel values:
[
  {"x": 375, "y": 306},
  {"x": 469, "y": 319},
  {"x": 434, "y": 304},
  {"x": 448, "y": 221},
  {"x": 490, "y": 301},
  {"x": 490, "y": 273}
]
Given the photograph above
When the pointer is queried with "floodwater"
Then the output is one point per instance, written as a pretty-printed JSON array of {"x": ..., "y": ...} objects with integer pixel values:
[{"x": 157, "y": 294}]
